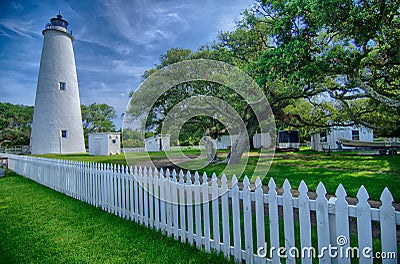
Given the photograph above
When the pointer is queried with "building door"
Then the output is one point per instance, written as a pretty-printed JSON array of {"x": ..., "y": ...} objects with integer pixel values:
[{"x": 97, "y": 146}]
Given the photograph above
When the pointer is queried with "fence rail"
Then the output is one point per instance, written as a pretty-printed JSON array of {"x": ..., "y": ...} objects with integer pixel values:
[{"x": 219, "y": 215}]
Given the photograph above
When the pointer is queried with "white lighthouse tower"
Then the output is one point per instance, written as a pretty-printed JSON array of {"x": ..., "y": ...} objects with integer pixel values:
[{"x": 57, "y": 121}]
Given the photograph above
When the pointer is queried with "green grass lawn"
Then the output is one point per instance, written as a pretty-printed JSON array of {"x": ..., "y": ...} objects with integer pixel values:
[
  {"x": 39, "y": 225},
  {"x": 374, "y": 172}
]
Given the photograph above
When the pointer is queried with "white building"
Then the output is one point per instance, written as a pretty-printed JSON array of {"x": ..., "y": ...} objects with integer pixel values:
[
  {"x": 104, "y": 144},
  {"x": 260, "y": 140},
  {"x": 57, "y": 121},
  {"x": 157, "y": 143},
  {"x": 328, "y": 138}
]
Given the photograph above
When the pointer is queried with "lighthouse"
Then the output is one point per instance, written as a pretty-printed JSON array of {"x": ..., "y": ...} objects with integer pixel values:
[{"x": 57, "y": 120}]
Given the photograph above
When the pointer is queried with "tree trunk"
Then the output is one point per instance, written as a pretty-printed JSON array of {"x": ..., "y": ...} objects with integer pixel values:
[
  {"x": 211, "y": 149},
  {"x": 238, "y": 148}
]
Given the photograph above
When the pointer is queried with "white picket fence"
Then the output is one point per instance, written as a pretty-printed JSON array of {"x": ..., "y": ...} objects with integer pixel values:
[{"x": 221, "y": 216}]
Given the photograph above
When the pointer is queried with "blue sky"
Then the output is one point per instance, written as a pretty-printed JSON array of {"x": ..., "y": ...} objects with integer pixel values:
[{"x": 115, "y": 41}]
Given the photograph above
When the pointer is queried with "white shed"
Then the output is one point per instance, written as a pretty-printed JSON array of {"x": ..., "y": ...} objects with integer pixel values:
[
  {"x": 260, "y": 140},
  {"x": 327, "y": 138},
  {"x": 157, "y": 143},
  {"x": 104, "y": 144}
]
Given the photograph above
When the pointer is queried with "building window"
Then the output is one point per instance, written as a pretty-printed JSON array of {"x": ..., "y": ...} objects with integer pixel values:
[
  {"x": 323, "y": 137},
  {"x": 62, "y": 86},
  {"x": 355, "y": 134},
  {"x": 114, "y": 141},
  {"x": 64, "y": 133}
]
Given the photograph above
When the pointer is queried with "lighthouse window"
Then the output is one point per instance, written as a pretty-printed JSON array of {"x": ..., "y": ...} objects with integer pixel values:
[
  {"x": 62, "y": 86},
  {"x": 64, "y": 133}
]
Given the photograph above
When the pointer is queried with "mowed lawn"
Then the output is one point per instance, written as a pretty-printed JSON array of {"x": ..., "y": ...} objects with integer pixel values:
[
  {"x": 351, "y": 170},
  {"x": 39, "y": 225}
]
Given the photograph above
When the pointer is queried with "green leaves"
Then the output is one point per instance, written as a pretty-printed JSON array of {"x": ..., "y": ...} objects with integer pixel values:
[
  {"x": 97, "y": 118},
  {"x": 15, "y": 124}
]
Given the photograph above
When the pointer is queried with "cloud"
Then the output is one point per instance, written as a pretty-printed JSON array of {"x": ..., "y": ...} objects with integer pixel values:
[
  {"x": 17, "y": 6},
  {"x": 123, "y": 67},
  {"x": 21, "y": 27}
]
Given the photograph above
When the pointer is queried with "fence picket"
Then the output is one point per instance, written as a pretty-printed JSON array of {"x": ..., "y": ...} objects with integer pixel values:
[
  {"x": 224, "y": 192},
  {"x": 260, "y": 221},
  {"x": 156, "y": 200},
  {"x": 388, "y": 226},
  {"x": 237, "y": 243},
  {"x": 342, "y": 224},
  {"x": 115, "y": 189},
  {"x": 168, "y": 203},
  {"x": 189, "y": 202},
  {"x": 248, "y": 219},
  {"x": 288, "y": 222},
  {"x": 197, "y": 209},
  {"x": 175, "y": 207},
  {"x": 215, "y": 213},
  {"x": 136, "y": 193},
  {"x": 150, "y": 191},
  {"x": 322, "y": 215},
  {"x": 364, "y": 224},
  {"x": 206, "y": 213},
  {"x": 182, "y": 206},
  {"x": 163, "y": 213},
  {"x": 131, "y": 197},
  {"x": 145, "y": 197},
  {"x": 123, "y": 191},
  {"x": 273, "y": 219},
  {"x": 305, "y": 223}
]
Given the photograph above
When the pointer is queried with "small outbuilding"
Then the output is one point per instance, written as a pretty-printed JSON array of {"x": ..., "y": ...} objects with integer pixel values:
[
  {"x": 104, "y": 144},
  {"x": 260, "y": 140},
  {"x": 157, "y": 143},
  {"x": 326, "y": 139}
]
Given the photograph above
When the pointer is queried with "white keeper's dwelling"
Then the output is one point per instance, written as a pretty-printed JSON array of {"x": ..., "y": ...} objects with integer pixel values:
[
  {"x": 157, "y": 143},
  {"x": 104, "y": 144},
  {"x": 324, "y": 139}
]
